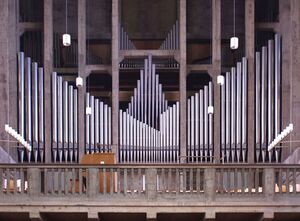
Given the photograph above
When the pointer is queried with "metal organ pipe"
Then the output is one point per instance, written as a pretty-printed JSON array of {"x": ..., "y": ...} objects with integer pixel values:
[
  {"x": 35, "y": 111},
  {"x": 244, "y": 108},
  {"x": 238, "y": 111},
  {"x": 233, "y": 114},
  {"x": 65, "y": 117},
  {"x": 257, "y": 104},
  {"x": 41, "y": 114},
  {"x": 264, "y": 102}
]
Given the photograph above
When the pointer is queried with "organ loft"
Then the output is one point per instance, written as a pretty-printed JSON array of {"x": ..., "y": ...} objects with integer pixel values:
[{"x": 149, "y": 110}]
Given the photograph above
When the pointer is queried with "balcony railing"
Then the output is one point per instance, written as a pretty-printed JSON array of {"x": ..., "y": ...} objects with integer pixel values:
[{"x": 203, "y": 182}]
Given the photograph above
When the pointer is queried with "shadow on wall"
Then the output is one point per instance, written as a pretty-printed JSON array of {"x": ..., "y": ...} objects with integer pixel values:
[{"x": 5, "y": 157}]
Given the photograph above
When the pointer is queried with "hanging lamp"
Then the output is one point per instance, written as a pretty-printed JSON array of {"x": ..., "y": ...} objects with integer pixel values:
[
  {"x": 66, "y": 38},
  {"x": 234, "y": 41}
]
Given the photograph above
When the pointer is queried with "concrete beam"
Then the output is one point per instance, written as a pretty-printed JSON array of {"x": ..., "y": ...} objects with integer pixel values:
[
  {"x": 151, "y": 216},
  {"x": 144, "y": 53},
  {"x": 48, "y": 69},
  {"x": 182, "y": 80},
  {"x": 29, "y": 26},
  {"x": 35, "y": 216},
  {"x": 267, "y": 26},
  {"x": 115, "y": 75},
  {"x": 210, "y": 215},
  {"x": 267, "y": 216},
  {"x": 92, "y": 216},
  {"x": 250, "y": 51}
]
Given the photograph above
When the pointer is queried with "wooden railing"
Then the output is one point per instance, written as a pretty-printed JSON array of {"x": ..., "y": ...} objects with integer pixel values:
[{"x": 149, "y": 181}]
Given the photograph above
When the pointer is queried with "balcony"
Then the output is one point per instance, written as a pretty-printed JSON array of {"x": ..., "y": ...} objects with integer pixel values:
[{"x": 150, "y": 189}]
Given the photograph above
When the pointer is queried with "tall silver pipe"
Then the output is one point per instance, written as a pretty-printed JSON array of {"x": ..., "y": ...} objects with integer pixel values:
[
  {"x": 149, "y": 90},
  {"x": 142, "y": 95},
  {"x": 120, "y": 136},
  {"x": 171, "y": 134},
  {"x": 233, "y": 113},
  {"x": 277, "y": 83},
  {"x": 54, "y": 106},
  {"x": 264, "y": 95},
  {"x": 97, "y": 124},
  {"x": 196, "y": 124},
  {"x": 174, "y": 132},
  {"x": 192, "y": 128},
  {"x": 66, "y": 113},
  {"x": 146, "y": 91},
  {"x": 92, "y": 104},
  {"x": 105, "y": 127},
  {"x": 71, "y": 122},
  {"x": 205, "y": 122},
  {"x": 189, "y": 128},
  {"x": 177, "y": 131},
  {"x": 35, "y": 103},
  {"x": 109, "y": 129},
  {"x": 60, "y": 110},
  {"x": 41, "y": 106},
  {"x": 244, "y": 107},
  {"x": 153, "y": 95},
  {"x": 156, "y": 101},
  {"x": 211, "y": 129},
  {"x": 257, "y": 104},
  {"x": 201, "y": 120},
  {"x": 270, "y": 90},
  {"x": 101, "y": 124},
  {"x": 223, "y": 119},
  {"x": 228, "y": 115},
  {"x": 138, "y": 99},
  {"x": 87, "y": 124},
  {"x": 28, "y": 100},
  {"x": 238, "y": 110},
  {"x": 21, "y": 77},
  {"x": 75, "y": 124}
]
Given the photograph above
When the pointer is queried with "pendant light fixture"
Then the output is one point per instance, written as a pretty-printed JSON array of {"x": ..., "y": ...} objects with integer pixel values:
[
  {"x": 66, "y": 37},
  {"x": 234, "y": 41}
]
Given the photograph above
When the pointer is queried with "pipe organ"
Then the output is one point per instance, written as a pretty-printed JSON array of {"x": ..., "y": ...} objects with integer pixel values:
[
  {"x": 98, "y": 126},
  {"x": 64, "y": 120},
  {"x": 268, "y": 99},
  {"x": 200, "y": 126},
  {"x": 234, "y": 114},
  {"x": 149, "y": 127},
  {"x": 124, "y": 42},
  {"x": 31, "y": 108},
  {"x": 172, "y": 40}
]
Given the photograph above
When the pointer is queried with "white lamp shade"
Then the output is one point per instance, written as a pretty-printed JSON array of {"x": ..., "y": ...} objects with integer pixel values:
[
  {"x": 88, "y": 110},
  {"x": 210, "y": 109},
  {"x": 234, "y": 43},
  {"x": 79, "y": 81},
  {"x": 66, "y": 39},
  {"x": 220, "y": 80}
]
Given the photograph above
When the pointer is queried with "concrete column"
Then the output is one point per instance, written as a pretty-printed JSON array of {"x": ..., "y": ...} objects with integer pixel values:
[
  {"x": 82, "y": 73},
  {"x": 216, "y": 70},
  {"x": 115, "y": 76},
  {"x": 93, "y": 182},
  {"x": 182, "y": 79},
  {"x": 295, "y": 76},
  {"x": 8, "y": 75},
  {"x": 269, "y": 183},
  {"x": 151, "y": 175},
  {"x": 34, "y": 181},
  {"x": 285, "y": 31},
  {"x": 209, "y": 184},
  {"x": 48, "y": 69},
  {"x": 35, "y": 216},
  {"x": 250, "y": 51}
]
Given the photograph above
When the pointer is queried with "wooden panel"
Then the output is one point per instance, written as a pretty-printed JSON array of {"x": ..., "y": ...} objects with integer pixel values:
[{"x": 104, "y": 177}]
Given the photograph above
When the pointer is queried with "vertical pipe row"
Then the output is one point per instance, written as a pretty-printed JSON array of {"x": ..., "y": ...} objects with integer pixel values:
[
  {"x": 172, "y": 40},
  {"x": 268, "y": 93}
]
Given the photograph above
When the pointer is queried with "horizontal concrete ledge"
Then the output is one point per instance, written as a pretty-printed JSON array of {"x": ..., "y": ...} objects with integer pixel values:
[{"x": 175, "y": 215}]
